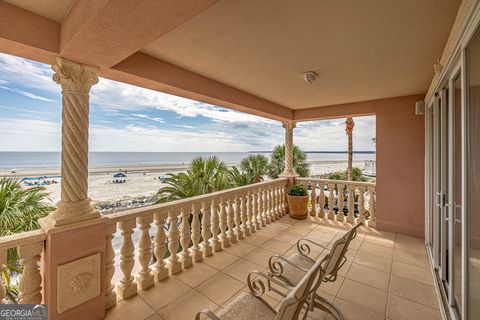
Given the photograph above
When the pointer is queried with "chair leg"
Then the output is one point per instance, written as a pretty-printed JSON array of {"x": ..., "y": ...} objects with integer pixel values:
[{"x": 327, "y": 306}]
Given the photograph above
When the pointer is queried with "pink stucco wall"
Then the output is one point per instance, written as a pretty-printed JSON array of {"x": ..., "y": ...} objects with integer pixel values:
[{"x": 400, "y": 158}]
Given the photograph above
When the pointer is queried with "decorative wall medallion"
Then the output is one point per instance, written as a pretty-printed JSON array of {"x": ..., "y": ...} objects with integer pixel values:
[{"x": 78, "y": 282}]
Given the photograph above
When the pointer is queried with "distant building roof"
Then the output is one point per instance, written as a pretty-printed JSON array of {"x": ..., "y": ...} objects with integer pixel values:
[{"x": 120, "y": 175}]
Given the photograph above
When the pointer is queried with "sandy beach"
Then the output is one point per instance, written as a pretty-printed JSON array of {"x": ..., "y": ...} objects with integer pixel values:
[{"x": 142, "y": 181}]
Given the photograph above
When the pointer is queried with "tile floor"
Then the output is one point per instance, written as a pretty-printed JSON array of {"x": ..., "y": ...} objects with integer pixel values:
[{"x": 387, "y": 276}]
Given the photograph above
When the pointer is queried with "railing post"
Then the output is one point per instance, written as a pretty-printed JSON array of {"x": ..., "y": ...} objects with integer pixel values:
[
  {"x": 331, "y": 201},
  {"x": 230, "y": 220},
  {"x": 253, "y": 205},
  {"x": 236, "y": 217},
  {"x": 30, "y": 286},
  {"x": 262, "y": 207},
  {"x": 215, "y": 243},
  {"x": 271, "y": 196},
  {"x": 185, "y": 237},
  {"x": 250, "y": 228},
  {"x": 321, "y": 200},
  {"x": 244, "y": 228},
  {"x": 158, "y": 269},
  {"x": 127, "y": 286},
  {"x": 340, "y": 204},
  {"x": 144, "y": 277},
  {"x": 224, "y": 239},
  {"x": 350, "y": 202},
  {"x": 174, "y": 264},
  {"x": 195, "y": 252},
  {"x": 206, "y": 234},
  {"x": 361, "y": 203},
  {"x": 110, "y": 294},
  {"x": 372, "y": 222},
  {"x": 313, "y": 211}
]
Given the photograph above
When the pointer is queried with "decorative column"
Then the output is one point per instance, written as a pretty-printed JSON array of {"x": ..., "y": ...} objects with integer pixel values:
[
  {"x": 76, "y": 81},
  {"x": 289, "y": 171}
]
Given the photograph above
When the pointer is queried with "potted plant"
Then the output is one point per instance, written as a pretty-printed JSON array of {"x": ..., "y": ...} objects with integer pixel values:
[{"x": 298, "y": 201}]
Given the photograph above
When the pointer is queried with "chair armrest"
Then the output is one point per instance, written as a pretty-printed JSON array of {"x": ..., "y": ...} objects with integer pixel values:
[
  {"x": 303, "y": 246},
  {"x": 208, "y": 313},
  {"x": 257, "y": 287},
  {"x": 276, "y": 268}
]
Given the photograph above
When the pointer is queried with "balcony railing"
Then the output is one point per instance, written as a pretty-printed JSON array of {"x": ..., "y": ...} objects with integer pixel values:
[
  {"x": 341, "y": 200},
  {"x": 191, "y": 229}
]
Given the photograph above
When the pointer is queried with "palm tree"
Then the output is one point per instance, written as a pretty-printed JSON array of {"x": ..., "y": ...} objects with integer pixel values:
[
  {"x": 20, "y": 210},
  {"x": 203, "y": 176},
  {"x": 277, "y": 162},
  {"x": 239, "y": 178},
  {"x": 256, "y": 166},
  {"x": 349, "y": 124}
]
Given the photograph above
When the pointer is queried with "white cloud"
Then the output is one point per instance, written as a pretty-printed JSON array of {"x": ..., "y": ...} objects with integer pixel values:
[
  {"x": 145, "y": 116},
  {"x": 27, "y": 94}
]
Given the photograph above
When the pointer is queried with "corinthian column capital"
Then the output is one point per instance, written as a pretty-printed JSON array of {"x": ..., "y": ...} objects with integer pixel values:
[
  {"x": 289, "y": 124},
  {"x": 74, "y": 77}
]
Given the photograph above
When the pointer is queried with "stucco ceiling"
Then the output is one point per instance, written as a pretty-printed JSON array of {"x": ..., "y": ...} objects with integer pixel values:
[
  {"x": 52, "y": 9},
  {"x": 361, "y": 50}
]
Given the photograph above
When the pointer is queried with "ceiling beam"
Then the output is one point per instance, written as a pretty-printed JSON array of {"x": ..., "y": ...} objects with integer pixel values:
[
  {"x": 28, "y": 35},
  {"x": 146, "y": 71},
  {"x": 355, "y": 109},
  {"x": 104, "y": 32}
]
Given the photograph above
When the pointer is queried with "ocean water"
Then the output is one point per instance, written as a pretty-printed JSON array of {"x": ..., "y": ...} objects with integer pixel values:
[{"x": 32, "y": 160}]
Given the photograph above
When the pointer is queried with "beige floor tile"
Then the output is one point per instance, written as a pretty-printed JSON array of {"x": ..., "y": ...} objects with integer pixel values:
[
  {"x": 403, "y": 309},
  {"x": 377, "y": 250},
  {"x": 299, "y": 229},
  {"x": 411, "y": 258},
  {"x": 156, "y": 316},
  {"x": 374, "y": 233},
  {"x": 331, "y": 288},
  {"x": 257, "y": 239},
  {"x": 259, "y": 256},
  {"x": 386, "y": 242},
  {"x": 240, "y": 269},
  {"x": 164, "y": 292},
  {"x": 354, "y": 312},
  {"x": 372, "y": 261},
  {"x": 220, "y": 260},
  {"x": 288, "y": 237},
  {"x": 413, "y": 290},
  {"x": 270, "y": 232},
  {"x": 220, "y": 288},
  {"x": 415, "y": 248},
  {"x": 240, "y": 249},
  {"x": 276, "y": 246},
  {"x": 372, "y": 277},
  {"x": 128, "y": 309},
  {"x": 411, "y": 272},
  {"x": 196, "y": 274},
  {"x": 362, "y": 295},
  {"x": 187, "y": 306}
]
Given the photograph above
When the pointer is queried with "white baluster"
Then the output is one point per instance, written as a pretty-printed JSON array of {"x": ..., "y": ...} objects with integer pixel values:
[
  {"x": 264, "y": 208},
  {"x": 253, "y": 209},
  {"x": 249, "y": 228},
  {"x": 350, "y": 202},
  {"x": 127, "y": 286},
  {"x": 230, "y": 220},
  {"x": 321, "y": 200},
  {"x": 185, "y": 237},
  {"x": 331, "y": 201},
  {"x": 174, "y": 265},
  {"x": 206, "y": 233},
  {"x": 144, "y": 278},
  {"x": 236, "y": 218},
  {"x": 361, "y": 203},
  {"x": 272, "y": 203},
  {"x": 195, "y": 252},
  {"x": 159, "y": 270},
  {"x": 110, "y": 295},
  {"x": 313, "y": 211},
  {"x": 215, "y": 226},
  {"x": 30, "y": 286},
  {"x": 276, "y": 212},
  {"x": 372, "y": 222},
  {"x": 340, "y": 199},
  {"x": 224, "y": 239},
  {"x": 268, "y": 208},
  {"x": 244, "y": 231}
]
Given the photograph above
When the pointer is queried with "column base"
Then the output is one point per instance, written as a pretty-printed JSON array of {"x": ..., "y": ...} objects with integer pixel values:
[{"x": 69, "y": 213}]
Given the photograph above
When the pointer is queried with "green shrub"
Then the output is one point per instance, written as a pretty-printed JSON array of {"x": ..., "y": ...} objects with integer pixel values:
[{"x": 298, "y": 190}]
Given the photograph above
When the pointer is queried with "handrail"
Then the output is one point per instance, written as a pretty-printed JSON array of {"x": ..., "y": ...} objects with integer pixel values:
[
  {"x": 176, "y": 204},
  {"x": 357, "y": 183},
  {"x": 22, "y": 238}
]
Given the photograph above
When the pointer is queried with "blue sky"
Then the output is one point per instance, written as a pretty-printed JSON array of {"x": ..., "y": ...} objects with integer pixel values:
[{"x": 129, "y": 118}]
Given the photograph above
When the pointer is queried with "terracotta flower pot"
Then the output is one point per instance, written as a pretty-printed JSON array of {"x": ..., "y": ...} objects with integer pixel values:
[{"x": 297, "y": 206}]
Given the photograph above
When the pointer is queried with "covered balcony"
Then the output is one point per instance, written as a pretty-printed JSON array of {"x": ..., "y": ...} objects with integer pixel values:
[{"x": 382, "y": 58}]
